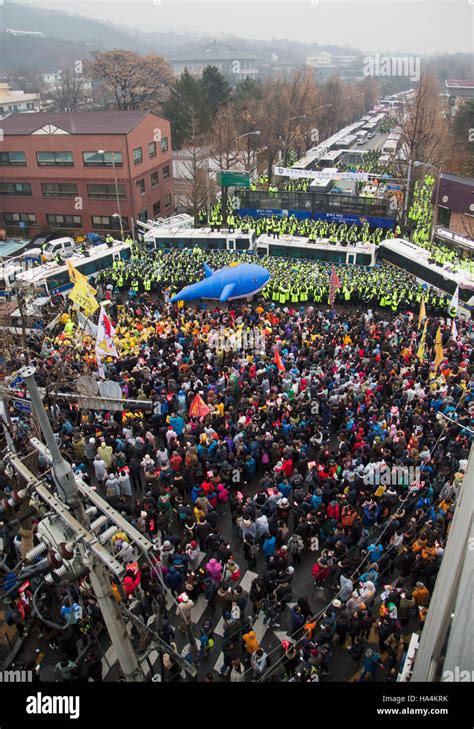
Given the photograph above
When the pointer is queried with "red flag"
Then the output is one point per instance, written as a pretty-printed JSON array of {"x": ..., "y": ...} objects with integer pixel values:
[
  {"x": 107, "y": 325},
  {"x": 278, "y": 362},
  {"x": 333, "y": 286},
  {"x": 198, "y": 408}
]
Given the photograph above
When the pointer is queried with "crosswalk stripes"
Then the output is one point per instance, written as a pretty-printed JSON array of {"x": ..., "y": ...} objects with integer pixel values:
[
  {"x": 247, "y": 579},
  {"x": 259, "y": 627}
]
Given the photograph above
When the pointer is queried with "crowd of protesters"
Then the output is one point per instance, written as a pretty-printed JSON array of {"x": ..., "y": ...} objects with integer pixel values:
[{"x": 335, "y": 450}]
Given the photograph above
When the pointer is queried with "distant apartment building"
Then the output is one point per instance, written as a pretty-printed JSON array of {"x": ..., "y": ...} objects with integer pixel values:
[
  {"x": 321, "y": 60},
  {"x": 12, "y": 101},
  {"x": 75, "y": 172},
  {"x": 52, "y": 80},
  {"x": 325, "y": 64},
  {"x": 230, "y": 61}
]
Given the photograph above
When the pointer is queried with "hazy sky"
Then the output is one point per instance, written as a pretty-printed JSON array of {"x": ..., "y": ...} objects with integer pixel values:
[{"x": 372, "y": 25}]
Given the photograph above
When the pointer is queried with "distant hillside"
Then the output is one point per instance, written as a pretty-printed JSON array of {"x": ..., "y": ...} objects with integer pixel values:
[
  {"x": 74, "y": 38},
  {"x": 75, "y": 28},
  {"x": 69, "y": 38}
]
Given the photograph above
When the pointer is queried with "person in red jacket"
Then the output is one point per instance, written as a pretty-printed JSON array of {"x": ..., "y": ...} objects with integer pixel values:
[
  {"x": 287, "y": 467},
  {"x": 131, "y": 580}
]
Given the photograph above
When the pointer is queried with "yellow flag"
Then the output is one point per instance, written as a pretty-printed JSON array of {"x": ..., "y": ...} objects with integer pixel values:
[
  {"x": 422, "y": 312},
  {"x": 75, "y": 276},
  {"x": 421, "y": 349},
  {"x": 83, "y": 295},
  {"x": 439, "y": 354}
]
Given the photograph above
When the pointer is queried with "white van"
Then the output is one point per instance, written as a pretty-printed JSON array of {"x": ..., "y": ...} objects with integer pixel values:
[{"x": 64, "y": 246}]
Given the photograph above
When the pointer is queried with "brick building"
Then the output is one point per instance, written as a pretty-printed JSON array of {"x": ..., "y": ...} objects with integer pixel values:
[
  {"x": 455, "y": 201},
  {"x": 74, "y": 172}
]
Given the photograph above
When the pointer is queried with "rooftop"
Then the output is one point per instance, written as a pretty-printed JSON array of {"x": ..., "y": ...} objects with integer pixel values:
[
  {"x": 214, "y": 51},
  {"x": 79, "y": 122},
  {"x": 459, "y": 83},
  {"x": 457, "y": 178}
]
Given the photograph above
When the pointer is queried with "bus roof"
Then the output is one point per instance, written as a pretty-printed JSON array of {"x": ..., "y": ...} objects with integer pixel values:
[
  {"x": 40, "y": 273},
  {"x": 421, "y": 255}
]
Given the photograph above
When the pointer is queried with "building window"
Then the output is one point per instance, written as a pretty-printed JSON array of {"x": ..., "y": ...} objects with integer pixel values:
[
  {"x": 59, "y": 189},
  {"x": 152, "y": 149},
  {"x": 17, "y": 218},
  {"x": 106, "y": 192},
  {"x": 102, "y": 159},
  {"x": 55, "y": 159},
  {"x": 108, "y": 222},
  {"x": 166, "y": 172},
  {"x": 154, "y": 179},
  {"x": 164, "y": 144},
  {"x": 137, "y": 155},
  {"x": 15, "y": 188},
  {"x": 141, "y": 186},
  {"x": 156, "y": 209},
  {"x": 168, "y": 200},
  {"x": 64, "y": 221},
  {"x": 12, "y": 159},
  {"x": 143, "y": 216}
]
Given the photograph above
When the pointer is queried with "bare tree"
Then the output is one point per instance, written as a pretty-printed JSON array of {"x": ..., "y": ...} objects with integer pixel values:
[
  {"x": 424, "y": 132},
  {"x": 69, "y": 92},
  {"x": 136, "y": 82},
  {"x": 194, "y": 186}
]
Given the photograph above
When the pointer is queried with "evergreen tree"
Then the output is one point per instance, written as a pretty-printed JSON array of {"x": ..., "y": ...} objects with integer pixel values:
[
  {"x": 187, "y": 109},
  {"x": 216, "y": 89}
]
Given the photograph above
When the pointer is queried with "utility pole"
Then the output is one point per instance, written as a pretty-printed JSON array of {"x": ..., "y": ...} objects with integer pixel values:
[
  {"x": 115, "y": 624},
  {"x": 68, "y": 488},
  {"x": 63, "y": 473},
  {"x": 407, "y": 194},
  {"x": 21, "y": 308}
]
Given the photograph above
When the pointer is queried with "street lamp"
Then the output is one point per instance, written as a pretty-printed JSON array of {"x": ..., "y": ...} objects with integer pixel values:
[
  {"x": 247, "y": 134},
  {"x": 417, "y": 163},
  {"x": 116, "y": 215},
  {"x": 103, "y": 151}
]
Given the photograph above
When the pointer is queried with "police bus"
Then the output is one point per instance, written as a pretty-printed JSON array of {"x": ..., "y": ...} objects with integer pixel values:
[
  {"x": 331, "y": 158},
  {"x": 167, "y": 239},
  {"x": 301, "y": 248},
  {"x": 346, "y": 142},
  {"x": 416, "y": 260},
  {"x": 53, "y": 278}
]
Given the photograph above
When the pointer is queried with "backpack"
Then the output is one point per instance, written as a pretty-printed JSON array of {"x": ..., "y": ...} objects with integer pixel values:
[{"x": 265, "y": 458}]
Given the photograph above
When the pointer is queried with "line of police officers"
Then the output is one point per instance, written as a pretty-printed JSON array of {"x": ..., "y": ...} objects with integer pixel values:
[{"x": 295, "y": 282}]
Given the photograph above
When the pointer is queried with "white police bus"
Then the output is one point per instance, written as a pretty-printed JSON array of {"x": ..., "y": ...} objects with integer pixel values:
[
  {"x": 301, "y": 248},
  {"x": 53, "y": 278},
  {"x": 166, "y": 239},
  {"x": 416, "y": 260}
]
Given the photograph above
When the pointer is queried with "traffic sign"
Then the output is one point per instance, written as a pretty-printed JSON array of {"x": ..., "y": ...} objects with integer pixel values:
[
  {"x": 14, "y": 384},
  {"x": 229, "y": 178},
  {"x": 22, "y": 406}
]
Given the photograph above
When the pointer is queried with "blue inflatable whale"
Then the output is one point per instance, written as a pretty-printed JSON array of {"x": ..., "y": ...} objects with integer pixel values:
[{"x": 231, "y": 282}]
